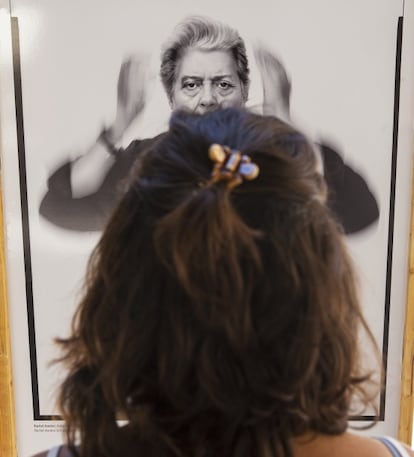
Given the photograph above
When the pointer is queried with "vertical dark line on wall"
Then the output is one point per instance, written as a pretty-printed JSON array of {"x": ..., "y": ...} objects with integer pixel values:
[
  {"x": 391, "y": 219},
  {"x": 25, "y": 212}
]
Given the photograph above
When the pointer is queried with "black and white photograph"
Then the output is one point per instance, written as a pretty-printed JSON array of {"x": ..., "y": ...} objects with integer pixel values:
[{"x": 95, "y": 85}]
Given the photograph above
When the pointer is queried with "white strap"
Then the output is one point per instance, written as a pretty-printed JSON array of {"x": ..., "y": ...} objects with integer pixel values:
[
  {"x": 54, "y": 451},
  {"x": 401, "y": 449},
  {"x": 394, "y": 446}
]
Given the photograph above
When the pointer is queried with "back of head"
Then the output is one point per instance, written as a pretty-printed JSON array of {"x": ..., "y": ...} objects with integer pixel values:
[
  {"x": 205, "y": 34},
  {"x": 217, "y": 321}
]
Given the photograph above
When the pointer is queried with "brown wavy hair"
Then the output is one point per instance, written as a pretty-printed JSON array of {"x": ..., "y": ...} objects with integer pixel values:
[{"x": 216, "y": 322}]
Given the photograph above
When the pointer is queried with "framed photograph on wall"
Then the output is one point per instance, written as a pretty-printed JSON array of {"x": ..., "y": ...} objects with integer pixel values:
[{"x": 80, "y": 78}]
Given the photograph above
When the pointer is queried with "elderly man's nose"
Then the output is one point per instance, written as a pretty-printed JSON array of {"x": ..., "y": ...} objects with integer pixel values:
[{"x": 208, "y": 97}]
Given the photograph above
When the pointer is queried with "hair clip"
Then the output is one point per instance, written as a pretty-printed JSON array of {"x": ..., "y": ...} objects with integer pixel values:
[{"x": 231, "y": 166}]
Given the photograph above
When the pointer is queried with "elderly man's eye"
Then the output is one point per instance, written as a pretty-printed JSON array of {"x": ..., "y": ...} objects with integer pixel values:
[
  {"x": 191, "y": 85},
  {"x": 224, "y": 85}
]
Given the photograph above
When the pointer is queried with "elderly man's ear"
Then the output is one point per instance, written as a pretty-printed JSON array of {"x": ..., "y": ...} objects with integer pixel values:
[{"x": 245, "y": 91}]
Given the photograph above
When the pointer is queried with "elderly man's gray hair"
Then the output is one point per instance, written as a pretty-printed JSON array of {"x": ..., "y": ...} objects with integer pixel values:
[{"x": 204, "y": 34}]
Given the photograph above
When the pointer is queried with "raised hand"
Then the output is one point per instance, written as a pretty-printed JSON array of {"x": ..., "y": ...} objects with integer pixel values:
[
  {"x": 133, "y": 85},
  {"x": 276, "y": 83}
]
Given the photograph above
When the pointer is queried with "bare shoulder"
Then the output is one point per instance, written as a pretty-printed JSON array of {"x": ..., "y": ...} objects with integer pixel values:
[{"x": 342, "y": 445}]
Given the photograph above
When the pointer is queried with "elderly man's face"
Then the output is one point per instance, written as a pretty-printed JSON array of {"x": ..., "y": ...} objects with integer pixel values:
[{"x": 206, "y": 80}]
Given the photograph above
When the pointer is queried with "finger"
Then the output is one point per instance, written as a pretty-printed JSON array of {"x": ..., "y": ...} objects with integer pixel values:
[{"x": 123, "y": 81}]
